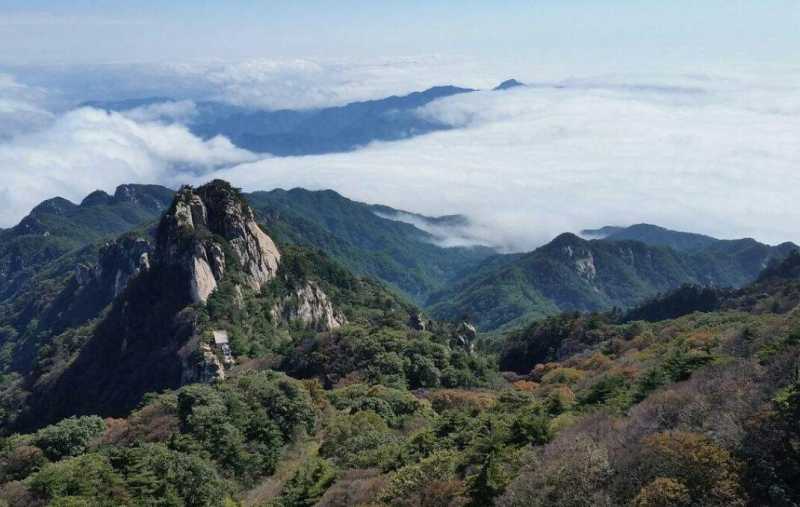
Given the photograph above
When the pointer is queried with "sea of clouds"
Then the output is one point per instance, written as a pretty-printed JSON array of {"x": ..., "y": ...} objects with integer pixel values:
[{"x": 712, "y": 153}]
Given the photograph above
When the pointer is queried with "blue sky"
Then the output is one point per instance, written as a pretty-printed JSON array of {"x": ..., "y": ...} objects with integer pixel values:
[{"x": 615, "y": 32}]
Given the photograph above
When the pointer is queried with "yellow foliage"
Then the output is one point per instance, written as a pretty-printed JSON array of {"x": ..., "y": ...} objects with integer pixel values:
[
  {"x": 525, "y": 385},
  {"x": 444, "y": 399},
  {"x": 663, "y": 492},
  {"x": 569, "y": 376}
]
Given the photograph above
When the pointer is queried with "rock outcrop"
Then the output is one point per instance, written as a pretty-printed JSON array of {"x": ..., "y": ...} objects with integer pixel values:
[
  {"x": 204, "y": 366},
  {"x": 464, "y": 337},
  {"x": 118, "y": 262},
  {"x": 310, "y": 305},
  {"x": 154, "y": 335},
  {"x": 209, "y": 228}
]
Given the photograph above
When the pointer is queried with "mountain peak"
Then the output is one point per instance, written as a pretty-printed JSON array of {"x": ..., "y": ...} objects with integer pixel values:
[
  {"x": 508, "y": 84},
  {"x": 203, "y": 228},
  {"x": 567, "y": 239},
  {"x": 56, "y": 205},
  {"x": 154, "y": 197},
  {"x": 96, "y": 198}
]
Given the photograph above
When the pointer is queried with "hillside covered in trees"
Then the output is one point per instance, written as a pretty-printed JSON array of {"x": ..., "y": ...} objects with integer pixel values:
[{"x": 203, "y": 358}]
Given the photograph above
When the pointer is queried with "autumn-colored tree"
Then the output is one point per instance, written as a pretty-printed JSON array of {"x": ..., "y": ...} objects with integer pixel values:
[
  {"x": 663, "y": 492},
  {"x": 708, "y": 472}
]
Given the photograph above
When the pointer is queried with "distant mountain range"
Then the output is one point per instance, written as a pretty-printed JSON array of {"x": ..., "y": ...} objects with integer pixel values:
[
  {"x": 315, "y": 131},
  {"x": 625, "y": 267},
  {"x": 653, "y": 235}
]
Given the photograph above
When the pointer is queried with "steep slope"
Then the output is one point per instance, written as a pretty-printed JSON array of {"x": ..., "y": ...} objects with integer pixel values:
[
  {"x": 58, "y": 226},
  {"x": 360, "y": 237},
  {"x": 212, "y": 273},
  {"x": 207, "y": 236},
  {"x": 73, "y": 272},
  {"x": 735, "y": 262},
  {"x": 574, "y": 274},
  {"x": 696, "y": 410}
]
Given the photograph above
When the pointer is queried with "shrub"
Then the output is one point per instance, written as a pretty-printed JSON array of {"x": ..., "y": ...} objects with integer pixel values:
[
  {"x": 710, "y": 473},
  {"x": 530, "y": 428},
  {"x": 357, "y": 440},
  {"x": 663, "y": 493},
  {"x": 393, "y": 405},
  {"x": 474, "y": 401},
  {"x": 20, "y": 461},
  {"x": 440, "y": 466},
  {"x": 156, "y": 475},
  {"x": 559, "y": 400},
  {"x": 69, "y": 437},
  {"x": 307, "y": 485},
  {"x": 569, "y": 376},
  {"x": 570, "y": 472},
  {"x": 85, "y": 480}
]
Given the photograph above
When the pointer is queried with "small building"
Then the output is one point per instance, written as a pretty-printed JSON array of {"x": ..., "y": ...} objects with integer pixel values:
[{"x": 222, "y": 344}]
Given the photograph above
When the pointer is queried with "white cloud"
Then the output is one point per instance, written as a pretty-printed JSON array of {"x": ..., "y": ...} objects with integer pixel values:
[
  {"x": 715, "y": 153},
  {"x": 261, "y": 83},
  {"x": 88, "y": 149},
  {"x": 22, "y": 107},
  {"x": 180, "y": 111},
  {"x": 298, "y": 84},
  {"x": 531, "y": 163}
]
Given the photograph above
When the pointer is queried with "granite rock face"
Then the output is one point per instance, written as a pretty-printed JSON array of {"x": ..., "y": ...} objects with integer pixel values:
[
  {"x": 310, "y": 305},
  {"x": 209, "y": 228},
  {"x": 119, "y": 261}
]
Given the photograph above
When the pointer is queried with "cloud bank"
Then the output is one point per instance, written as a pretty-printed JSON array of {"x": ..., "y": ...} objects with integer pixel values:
[
  {"x": 259, "y": 83},
  {"x": 716, "y": 154},
  {"x": 22, "y": 108},
  {"x": 89, "y": 149},
  {"x": 707, "y": 154}
]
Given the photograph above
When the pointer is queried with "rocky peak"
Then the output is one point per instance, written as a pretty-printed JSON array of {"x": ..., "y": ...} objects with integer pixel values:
[
  {"x": 207, "y": 226},
  {"x": 118, "y": 262},
  {"x": 154, "y": 197},
  {"x": 577, "y": 252}
]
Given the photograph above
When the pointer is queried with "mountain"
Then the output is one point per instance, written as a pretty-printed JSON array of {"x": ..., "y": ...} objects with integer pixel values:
[
  {"x": 288, "y": 132},
  {"x": 139, "y": 319},
  {"x": 65, "y": 263},
  {"x": 508, "y": 84},
  {"x": 571, "y": 273},
  {"x": 202, "y": 361},
  {"x": 295, "y": 383},
  {"x": 361, "y": 237},
  {"x": 309, "y": 132},
  {"x": 659, "y": 236},
  {"x": 58, "y": 226}
]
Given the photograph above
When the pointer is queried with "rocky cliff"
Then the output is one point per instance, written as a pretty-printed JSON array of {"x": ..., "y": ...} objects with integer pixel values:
[
  {"x": 119, "y": 261},
  {"x": 155, "y": 335},
  {"x": 209, "y": 229},
  {"x": 310, "y": 305}
]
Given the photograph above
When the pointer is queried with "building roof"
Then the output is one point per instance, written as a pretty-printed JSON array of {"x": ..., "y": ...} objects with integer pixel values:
[{"x": 220, "y": 337}]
